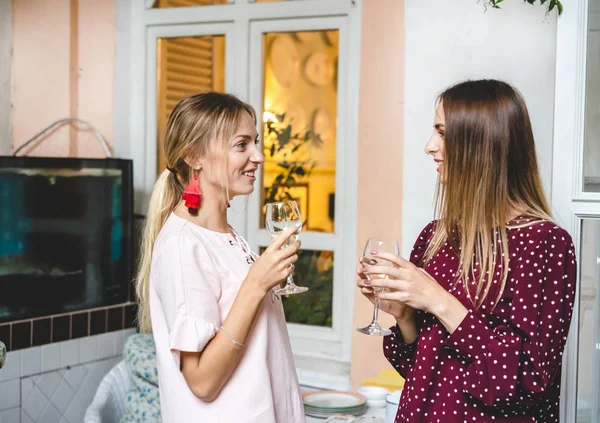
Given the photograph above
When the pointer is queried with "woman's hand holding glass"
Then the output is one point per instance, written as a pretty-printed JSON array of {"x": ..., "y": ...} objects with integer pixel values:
[
  {"x": 405, "y": 283},
  {"x": 278, "y": 216},
  {"x": 396, "y": 309},
  {"x": 370, "y": 260},
  {"x": 275, "y": 264}
]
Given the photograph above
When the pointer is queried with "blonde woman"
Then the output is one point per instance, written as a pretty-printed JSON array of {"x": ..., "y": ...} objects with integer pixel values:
[
  {"x": 223, "y": 350},
  {"x": 483, "y": 306}
]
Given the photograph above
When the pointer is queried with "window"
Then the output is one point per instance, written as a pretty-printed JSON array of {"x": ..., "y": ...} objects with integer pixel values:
[
  {"x": 185, "y": 65},
  {"x": 588, "y": 363}
]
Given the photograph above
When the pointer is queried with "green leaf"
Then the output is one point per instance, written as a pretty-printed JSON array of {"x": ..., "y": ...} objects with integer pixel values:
[
  {"x": 284, "y": 164},
  {"x": 560, "y": 7},
  {"x": 272, "y": 151},
  {"x": 285, "y": 136}
]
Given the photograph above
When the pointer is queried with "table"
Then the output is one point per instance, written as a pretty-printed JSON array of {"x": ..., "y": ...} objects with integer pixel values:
[{"x": 379, "y": 412}]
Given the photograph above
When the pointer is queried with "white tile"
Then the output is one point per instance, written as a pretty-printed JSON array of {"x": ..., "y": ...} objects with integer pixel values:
[
  {"x": 120, "y": 338},
  {"x": 63, "y": 420},
  {"x": 62, "y": 396},
  {"x": 31, "y": 361},
  {"x": 10, "y": 395},
  {"x": 25, "y": 417},
  {"x": 69, "y": 353},
  {"x": 10, "y": 416},
  {"x": 88, "y": 347},
  {"x": 50, "y": 357},
  {"x": 50, "y": 415},
  {"x": 106, "y": 345},
  {"x": 35, "y": 403},
  {"x": 75, "y": 376},
  {"x": 26, "y": 385},
  {"x": 48, "y": 383},
  {"x": 12, "y": 366}
]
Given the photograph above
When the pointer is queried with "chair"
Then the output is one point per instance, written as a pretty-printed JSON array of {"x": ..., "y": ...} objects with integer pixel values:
[{"x": 108, "y": 405}]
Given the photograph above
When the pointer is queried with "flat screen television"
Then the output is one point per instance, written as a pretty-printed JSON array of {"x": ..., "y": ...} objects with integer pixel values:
[{"x": 65, "y": 235}]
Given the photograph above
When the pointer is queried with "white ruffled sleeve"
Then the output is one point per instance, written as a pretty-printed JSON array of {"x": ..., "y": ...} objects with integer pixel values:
[{"x": 188, "y": 290}]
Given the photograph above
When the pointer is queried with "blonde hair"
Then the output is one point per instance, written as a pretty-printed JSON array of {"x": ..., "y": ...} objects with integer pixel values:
[
  {"x": 489, "y": 163},
  {"x": 198, "y": 125}
]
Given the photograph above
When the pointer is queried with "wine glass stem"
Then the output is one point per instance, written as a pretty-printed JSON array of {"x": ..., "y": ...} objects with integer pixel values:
[
  {"x": 290, "y": 281},
  {"x": 376, "y": 312}
]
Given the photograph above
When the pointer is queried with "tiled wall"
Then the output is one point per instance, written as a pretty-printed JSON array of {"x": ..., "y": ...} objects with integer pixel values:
[
  {"x": 55, "y": 363},
  {"x": 55, "y": 383},
  {"x": 46, "y": 330}
]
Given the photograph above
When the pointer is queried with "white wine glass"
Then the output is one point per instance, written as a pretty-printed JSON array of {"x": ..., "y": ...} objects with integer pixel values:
[
  {"x": 280, "y": 216},
  {"x": 383, "y": 246}
]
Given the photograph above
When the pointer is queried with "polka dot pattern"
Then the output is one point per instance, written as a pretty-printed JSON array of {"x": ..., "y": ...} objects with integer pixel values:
[{"x": 503, "y": 362}]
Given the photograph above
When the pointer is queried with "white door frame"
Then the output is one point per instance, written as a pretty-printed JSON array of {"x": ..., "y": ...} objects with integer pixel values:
[
  {"x": 322, "y": 355},
  {"x": 570, "y": 204},
  {"x": 330, "y": 345}
]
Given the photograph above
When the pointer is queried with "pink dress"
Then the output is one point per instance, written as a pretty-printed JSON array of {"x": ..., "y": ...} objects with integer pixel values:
[
  {"x": 503, "y": 363},
  {"x": 195, "y": 277}
]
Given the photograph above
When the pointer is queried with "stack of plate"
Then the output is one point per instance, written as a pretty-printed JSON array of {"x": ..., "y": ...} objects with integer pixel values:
[{"x": 333, "y": 403}]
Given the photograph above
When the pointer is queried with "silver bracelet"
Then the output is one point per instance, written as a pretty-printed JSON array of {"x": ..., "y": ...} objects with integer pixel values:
[{"x": 231, "y": 338}]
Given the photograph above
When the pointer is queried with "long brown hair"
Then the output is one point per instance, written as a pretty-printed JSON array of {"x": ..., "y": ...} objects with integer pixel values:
[
  {"x": 490, "y": 165},
  {"x": 197, "y": 125}
]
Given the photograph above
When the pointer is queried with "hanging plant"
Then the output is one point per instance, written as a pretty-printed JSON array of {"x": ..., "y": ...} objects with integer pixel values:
[{"x": 552, "y": 4}]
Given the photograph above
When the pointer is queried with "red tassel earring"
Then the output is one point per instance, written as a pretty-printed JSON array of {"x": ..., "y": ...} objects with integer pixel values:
[{"x": 192, "y": 195}]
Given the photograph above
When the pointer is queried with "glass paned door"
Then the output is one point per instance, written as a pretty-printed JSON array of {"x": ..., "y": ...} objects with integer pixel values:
[{"x": 588, "y": 382}]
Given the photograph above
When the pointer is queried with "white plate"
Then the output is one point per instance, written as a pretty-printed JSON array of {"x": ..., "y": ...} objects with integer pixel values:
[
  {"x": 323, "y": 415},
  {"x": 333, "y": 399}
]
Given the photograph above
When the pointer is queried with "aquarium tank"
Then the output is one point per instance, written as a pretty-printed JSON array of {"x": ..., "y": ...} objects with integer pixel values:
[{"x": 65, "y": 235}]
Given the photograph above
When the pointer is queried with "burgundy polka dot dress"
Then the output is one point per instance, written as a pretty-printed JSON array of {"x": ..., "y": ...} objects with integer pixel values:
[{"x": 500, "y": 365}]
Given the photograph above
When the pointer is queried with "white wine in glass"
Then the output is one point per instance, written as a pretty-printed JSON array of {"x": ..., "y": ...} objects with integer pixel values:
[
  {"x": 383, "y": 246},
  {"x": 280, "y": 216}
]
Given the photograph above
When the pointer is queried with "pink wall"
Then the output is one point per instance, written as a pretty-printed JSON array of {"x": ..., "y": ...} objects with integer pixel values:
[
  {"x": 380, "y": 140},
  {"x": 63, "y": 66}
]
